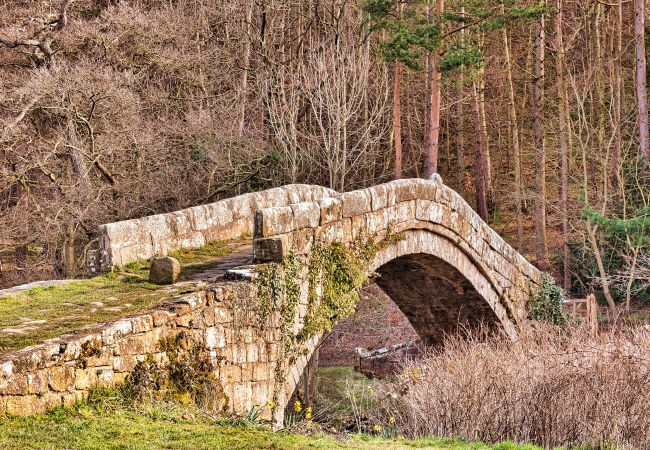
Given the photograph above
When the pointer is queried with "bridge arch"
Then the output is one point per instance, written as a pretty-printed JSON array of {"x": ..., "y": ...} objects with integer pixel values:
[
  {"x": 458, "y": 271},
  {"x": 438, "y": 287}
]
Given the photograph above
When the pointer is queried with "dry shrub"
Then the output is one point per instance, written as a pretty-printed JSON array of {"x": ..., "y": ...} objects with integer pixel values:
[{"x": 551, "y": 387}]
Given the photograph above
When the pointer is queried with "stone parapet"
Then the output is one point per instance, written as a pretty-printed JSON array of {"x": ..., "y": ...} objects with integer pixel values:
[
  {"x": 158, "y": 235},
  {"x": 396, "y": 207}
]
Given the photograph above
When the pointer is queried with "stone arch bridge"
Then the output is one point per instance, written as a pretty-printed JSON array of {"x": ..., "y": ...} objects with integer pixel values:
[{"x": 449, "y": 270}]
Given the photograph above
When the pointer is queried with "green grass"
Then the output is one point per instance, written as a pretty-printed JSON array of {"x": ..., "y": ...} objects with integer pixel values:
[
  {"x": 173, "y": 426},
  {"x": 67, "y": 308},
  {"x": 210, "y": 251},
  {"x": 336, "y": 388}
]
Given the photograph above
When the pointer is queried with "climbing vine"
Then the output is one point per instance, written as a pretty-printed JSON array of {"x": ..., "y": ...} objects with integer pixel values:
[
  {"x": 335, "y": 273},
  {"x": 547, "y": 302}
]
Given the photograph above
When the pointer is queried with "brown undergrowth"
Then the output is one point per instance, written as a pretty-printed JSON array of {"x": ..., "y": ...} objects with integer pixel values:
[{"x": 552, "y": 387}]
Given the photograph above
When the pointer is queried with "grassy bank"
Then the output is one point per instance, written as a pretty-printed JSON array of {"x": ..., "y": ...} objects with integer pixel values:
[
  {"x": 31, "y": 316},
  {"x": 173, "y": 426}
]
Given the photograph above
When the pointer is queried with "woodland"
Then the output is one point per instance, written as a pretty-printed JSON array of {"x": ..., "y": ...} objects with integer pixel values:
[{"x": 535, "y": 111}]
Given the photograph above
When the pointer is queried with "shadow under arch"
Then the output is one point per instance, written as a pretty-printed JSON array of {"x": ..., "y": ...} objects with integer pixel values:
[{"x": 438, "y": 287}]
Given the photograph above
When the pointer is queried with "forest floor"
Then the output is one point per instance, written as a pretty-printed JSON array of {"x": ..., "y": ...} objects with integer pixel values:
[{"x": 35, "y": 314}]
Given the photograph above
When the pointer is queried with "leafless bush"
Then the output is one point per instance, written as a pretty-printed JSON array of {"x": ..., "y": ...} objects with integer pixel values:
[{"x": 550, "y": 387}]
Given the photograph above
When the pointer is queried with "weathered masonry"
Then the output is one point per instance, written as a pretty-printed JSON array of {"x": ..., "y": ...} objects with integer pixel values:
[{"x": 448, "y": 269}]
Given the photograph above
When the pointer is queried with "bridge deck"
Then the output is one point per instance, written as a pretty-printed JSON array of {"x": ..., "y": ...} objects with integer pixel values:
[
  {"x": 31, "y": 314},
  {"x": 241, "y": 254}
]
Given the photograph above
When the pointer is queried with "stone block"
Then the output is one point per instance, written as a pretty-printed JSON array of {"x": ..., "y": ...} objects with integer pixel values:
[
  {"x": 215, "y": 337},
  {"x": 269, "y": 249},
  {"x": 340, "y": 231},
  {"x": 136, "y": 345},
  {"x": 401, "y": 212},
  {"x": 25, "y": 405},
  {"x": 306, "y": 215},
  {"x": 443, "y": 195},
  {"x": 275, "y": 197},
  {"x": 61, "y": 378},
  {"x": 231, "y": 373},
  {"x": 71, "y": 399},
  {"x": 260, "y": 393},
  {"x": 427, "y": 190},
  {"x": 242, "y": 397},
  {"x": 273, "y": 350},
  {"x": 160, "y": 317},
  {"x": 406, "y": 190},
  {"x": 17, "y": 384},
  {"x": 260, "y": 371},
  {"x": 252, "y": 354},
  {"x": 302, "y": 240},
  {"x": 246, "y": 371},
  {"x": 222, "y": 315},
  {"x": 142, "y": 323},
  {"x": 164, "y": 270},
  {"x": 38, "y": 381},
  {"x": 83, "y": 379},
  {"x": 124, "y": 363},
  {"x": 219, "y": 214},
  {"x": 428, "y": 211},
  {"x": 6, "y": 370},
  {"x": 355, "y": 203},
  {"x": 358, "y": 226},
  {"x": 104, "y": 376},
  {"x": 330, "y": 210},
  {"x": 376, "y": 221},
  {"x": 378, "y": 197},
  {"x": 272, "y": 221}
]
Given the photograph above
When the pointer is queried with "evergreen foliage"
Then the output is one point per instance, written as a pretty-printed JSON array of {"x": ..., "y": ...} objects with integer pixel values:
[
  {"x": 414, "y": 33},
  {"x": 547, "y": 303}
]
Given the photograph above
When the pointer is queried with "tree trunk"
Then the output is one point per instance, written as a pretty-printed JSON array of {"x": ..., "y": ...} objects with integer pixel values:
[
  {"x": 641, "y": 89},
  {"x": 460, "y": 143},
  {"x": 487, "y": 163},
  {"x": 563, "y": 184},
  {"x": 617, "y": 92},
  {"x": 540, "y": 152},
  {"x": 514, "y": 128},
  {"x": 243, "y": 81},
  {"x": 434, "y": 117},
  {"x": 397, "y": 120},
  {"x": 479, "y": 172}
]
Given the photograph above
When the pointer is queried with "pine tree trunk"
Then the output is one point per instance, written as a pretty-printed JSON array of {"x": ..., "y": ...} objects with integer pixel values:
[
  {"x": 397, "y": 120},
  {"x": 479, "y": 170},
  {"x": 540, "y": 152},
  {"x": 514, "y": 129},
  {"x": 641, "y": 89},
  {"x": 460, "y": 142},
  {"x": 434, "y": 117},
  {"x": 563, "y": 138}
]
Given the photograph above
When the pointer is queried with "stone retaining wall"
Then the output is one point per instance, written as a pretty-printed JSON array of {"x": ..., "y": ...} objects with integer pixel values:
[
  {"x": 220, "y": 321},
  {"x": 135, "y": 239}
]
